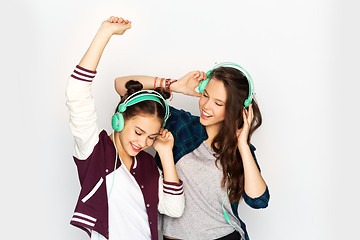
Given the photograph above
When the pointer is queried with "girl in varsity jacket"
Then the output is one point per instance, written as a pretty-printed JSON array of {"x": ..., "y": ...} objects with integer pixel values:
[{"x": 122, "y": 188}]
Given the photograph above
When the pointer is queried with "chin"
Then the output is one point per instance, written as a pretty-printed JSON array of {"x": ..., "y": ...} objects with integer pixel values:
[
  {"x": 133, "y": 153},
  {"x": 203, "y": 122},
  {"x": 209, "y": 123},
  {"x": 206, "y": 122}
]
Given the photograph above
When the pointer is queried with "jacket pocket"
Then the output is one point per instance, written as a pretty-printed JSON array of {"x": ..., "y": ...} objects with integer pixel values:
[{"x": 93, "y": 191}]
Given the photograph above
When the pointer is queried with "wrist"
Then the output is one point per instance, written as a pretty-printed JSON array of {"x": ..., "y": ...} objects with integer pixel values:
[
  {"x": 243, "y": 146},
  {"x": 105, "y": 30},
  {"x": 159, "y": 82},
  {"x": 165, "y": 153},
  {"x": 175, "y": 87}
]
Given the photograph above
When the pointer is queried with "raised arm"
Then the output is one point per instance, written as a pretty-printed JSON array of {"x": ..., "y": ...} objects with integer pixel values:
[
  {"x": 255, "y": 188},
  {"x": 163, "y": 145},
  {"x": 83, "y": 118},
  {"x": 185, "y": 85},
  {"x": 171, "y": 194}
]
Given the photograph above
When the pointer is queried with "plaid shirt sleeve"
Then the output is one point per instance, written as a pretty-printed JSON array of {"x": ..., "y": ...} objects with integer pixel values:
[
  {"x": 187, "y": 131},
  {"x": 261, "y": 201}
]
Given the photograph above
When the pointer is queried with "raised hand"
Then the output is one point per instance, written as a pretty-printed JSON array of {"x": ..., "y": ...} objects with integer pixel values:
[
  {"x": 164, "y": 142},
  {"x": 187, "y": 84},
  {"x": 116, "y": 25},
  {"x": 113, "y": 25},
  {"x": 243, "y": 133}
]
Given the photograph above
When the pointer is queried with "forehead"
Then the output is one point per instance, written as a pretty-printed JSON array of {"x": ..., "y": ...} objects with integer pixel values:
[
  {"x": 216, "y": 89},
  {"x": 149, "y": 123}
]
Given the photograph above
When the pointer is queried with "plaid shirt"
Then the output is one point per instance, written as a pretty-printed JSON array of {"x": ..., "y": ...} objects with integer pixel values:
[{"x": 188, "y": 134}]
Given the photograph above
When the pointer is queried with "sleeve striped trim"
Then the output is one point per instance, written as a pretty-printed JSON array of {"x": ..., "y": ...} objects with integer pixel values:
[
  {"x": 173, "y": 188},
  {"x": 84, "y": 219},
  {"x": 83, "y": 74}
]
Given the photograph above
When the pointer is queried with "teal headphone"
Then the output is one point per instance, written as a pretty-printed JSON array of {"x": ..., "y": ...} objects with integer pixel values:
[
  {"x": 117, "y": 120},
  {"x": 226, "y": 215},
  {"x": 248, "y": 101},
  {"x": 118, "y": 123}
]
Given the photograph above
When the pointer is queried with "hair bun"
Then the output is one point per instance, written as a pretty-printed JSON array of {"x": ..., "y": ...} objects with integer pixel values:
[
  {"x": 164, "y": 93},
  {"x": 133, "y": 86}
]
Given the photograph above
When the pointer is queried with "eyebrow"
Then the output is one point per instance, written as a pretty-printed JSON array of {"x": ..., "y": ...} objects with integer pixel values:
[
  {"x": 215, "y": 98},
  {"x": 145, "y": 131}
]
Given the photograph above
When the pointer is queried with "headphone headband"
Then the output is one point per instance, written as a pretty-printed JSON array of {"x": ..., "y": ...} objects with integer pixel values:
[
  {"x": 139, "y": 96},
  {"x": 144, "y": 95},
  {"x": 248, "y": 101}
]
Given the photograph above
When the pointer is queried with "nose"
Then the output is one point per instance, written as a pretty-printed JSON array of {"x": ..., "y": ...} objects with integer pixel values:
[
  {"x": 206, "y": 104},
  {"x": 142, "y": 141}
]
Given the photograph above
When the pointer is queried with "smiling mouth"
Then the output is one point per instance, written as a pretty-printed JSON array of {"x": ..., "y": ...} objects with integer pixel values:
[
  {"x": 135, "y": 148},
  {"x": 205, "y": 115}
]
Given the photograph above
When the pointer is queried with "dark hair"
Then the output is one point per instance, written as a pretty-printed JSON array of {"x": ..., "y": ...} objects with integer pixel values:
[
  {"x": 144, "y": 107},
  {"x": 225, "y": 143}
]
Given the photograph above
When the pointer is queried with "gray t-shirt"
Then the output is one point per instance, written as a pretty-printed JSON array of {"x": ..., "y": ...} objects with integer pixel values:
[{"x": 203, "y": 215}]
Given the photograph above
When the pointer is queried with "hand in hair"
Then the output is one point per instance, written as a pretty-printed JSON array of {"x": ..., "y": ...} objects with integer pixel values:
[
  {"x": 243, "y": 133},
  {"x": 187, "y": 84},
  {"x": 164, "y": 141},
  {"x": 163, "y": 145}
]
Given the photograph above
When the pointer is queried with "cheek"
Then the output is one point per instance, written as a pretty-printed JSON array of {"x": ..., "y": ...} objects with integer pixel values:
[
  {"x": 220, "y": 113},
  {"x": 129, "y": 135}
]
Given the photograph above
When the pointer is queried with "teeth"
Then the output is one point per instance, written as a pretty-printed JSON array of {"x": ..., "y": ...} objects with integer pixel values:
[
  {"x": 135, "y": 147},
  {"x": 205, "y": 114}
]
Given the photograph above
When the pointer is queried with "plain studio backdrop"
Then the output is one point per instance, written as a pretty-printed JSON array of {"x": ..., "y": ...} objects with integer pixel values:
[{"x": 302, "y": 55}]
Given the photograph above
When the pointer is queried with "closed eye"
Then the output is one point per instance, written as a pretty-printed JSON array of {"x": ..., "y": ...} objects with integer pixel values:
[
  {"x": 137, "y": 133},
  {"x": 219, "y": 104}
]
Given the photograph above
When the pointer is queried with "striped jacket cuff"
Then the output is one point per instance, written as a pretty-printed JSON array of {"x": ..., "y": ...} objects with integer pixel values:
[
  {"x": 83, "y": 74},
  {"x": 83, "y": 220},
  {"x": 173, "y": 188}
]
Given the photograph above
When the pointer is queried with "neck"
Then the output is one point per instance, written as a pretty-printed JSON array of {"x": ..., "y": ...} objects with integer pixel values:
[{"x": 212, "y": 131}]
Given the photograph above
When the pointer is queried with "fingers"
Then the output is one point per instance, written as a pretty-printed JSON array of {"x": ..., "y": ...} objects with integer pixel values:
[
  {"x": 248, "y": 115},
  {"x": 196, "y": 94},
  {"x": 113, "y": 19},
  {"x": 160, "y": 132},
  {"x": 199, "y": 75},
  {"x": 164, "y": 133},
  {"x": 245, "y": 116},
  {"x": 116, "y": 19},
  {"x": 251, "y": 113}
]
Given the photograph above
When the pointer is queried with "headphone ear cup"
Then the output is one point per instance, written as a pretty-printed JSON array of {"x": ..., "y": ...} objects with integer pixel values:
[
  {"x": 247, "y": 102},
  {"x": 208, "y": 74},
  {"x": 117, "y": 122},
  {"x": 202, "y": 85}
]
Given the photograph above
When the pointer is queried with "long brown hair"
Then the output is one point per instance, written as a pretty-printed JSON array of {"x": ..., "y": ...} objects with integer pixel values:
[{"x": 225, "y": 143}]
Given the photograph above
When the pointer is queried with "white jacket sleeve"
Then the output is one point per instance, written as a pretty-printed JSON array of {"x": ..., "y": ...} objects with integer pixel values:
[
  {"x": 83, "y": 118},
  {"x": 171, "y": 198}
]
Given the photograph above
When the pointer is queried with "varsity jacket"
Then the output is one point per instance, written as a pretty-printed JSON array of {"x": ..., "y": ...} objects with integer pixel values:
[
  {"x": 94, "y": 156},
  {"x": 188, "y": 134}
]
